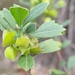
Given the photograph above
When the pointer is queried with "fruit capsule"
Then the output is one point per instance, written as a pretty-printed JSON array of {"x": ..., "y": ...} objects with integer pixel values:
[
  {"x": 34, "y": 40},
  {"x": 11, "y": 53},
  {"x": 8, "y": 38},
  {"x": 22, "y": 41},
  {"x": 35, "y": 50}
]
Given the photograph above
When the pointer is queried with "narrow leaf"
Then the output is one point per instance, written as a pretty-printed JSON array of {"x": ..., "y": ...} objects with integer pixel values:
[
  {"x": 65, "y": 44},
  {"x": 35, "y": 12},
  {"x": 52, "y": 73},
  {"x": 49, "y": 46},
  {"x": 25, "y": 3},
  {"x": 66, "y": 23},
  {"x": 58, "y": 72},
  {"x": 71, "y": 62},
  {"x": 26, "y": 62},
  {"x": 48, "y": 29},
  {"x": 3, "y": 24},
  {"x": 19, "y": 14},
  {"x": 31, "y": 28},
  {"x": 8, "y": 17}
]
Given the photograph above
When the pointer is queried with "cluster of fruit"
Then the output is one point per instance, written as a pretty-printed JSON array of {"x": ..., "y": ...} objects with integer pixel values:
[{"x": 24, "y": 44}]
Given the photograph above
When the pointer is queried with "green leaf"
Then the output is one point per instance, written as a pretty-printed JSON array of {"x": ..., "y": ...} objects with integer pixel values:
[
  {"x": 8, "y": 17},
  {"x": 19, "y": 14},
  {"x": 65, "y": 44},
  {"x": 35, "y": 12},
  {"x": 58, "y": 72},
  {"x": 66, "y": 23},
  {"x": 26, "y": 62},
  {"x": 15, "y": 5},
  {"x": 62, "y": 63},
  {"x": 25, "y": 3},
  {"x": 71, "y": 62},
  {"x": 48, "y": 29},
  {"x": 31, "y": 28},
  {"x": 52, "y": 73},
  {"x": 49, "y": 46},
  {"x": 4, "y": 24},
  {"x": 2, "y": 28}
]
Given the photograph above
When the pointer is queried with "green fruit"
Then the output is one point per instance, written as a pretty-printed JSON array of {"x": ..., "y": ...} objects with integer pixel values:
[
  {"x": 45, "y": 1},
  {"x": 47, "y": 19},
  {"x": 34, "y": 41},
  {"x": 8, "y": 38},
  {"x": 22, "y": 41},
  {"x": 11, "y": 53},
  {"x": 61, "y": 3},
  {"x": 53, "y": 13},
  {"x": 35, "y": 50}
]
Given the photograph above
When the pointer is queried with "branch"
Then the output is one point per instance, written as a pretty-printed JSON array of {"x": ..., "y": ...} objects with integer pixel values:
[{"x": 29, "y": 72}]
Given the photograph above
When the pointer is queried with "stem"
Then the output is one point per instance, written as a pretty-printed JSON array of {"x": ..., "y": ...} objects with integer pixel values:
[
  {"x": 64, "y": 67},
  {"x": 61, "y": 59},
  {"x": 29, "y": 72}
]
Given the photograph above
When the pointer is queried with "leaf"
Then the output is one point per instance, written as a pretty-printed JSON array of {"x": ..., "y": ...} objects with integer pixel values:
[
  {"x": 2, "y": 28},
  {"x": 62, "y": 63},
  {"x": 26, "y": 62},
  {"x": 66, "y": 23},
  {"x": 52, "y": 73},
  {"x": 25, "y": 3},
  {"x": 31, "y": 28},
  {"x": 58, "y": 72},
  {"x": 4, "y": 24},
  {"x": 19, "y": 14},
  {"x": 8, "y": 17},
  {"x": 36, "y": 11},
  {"x": 65, "y": 44},
  {"x": 71, "y": 62},
  {"x": 49, "y": 46},
  {"x": 48, "y": 29}
]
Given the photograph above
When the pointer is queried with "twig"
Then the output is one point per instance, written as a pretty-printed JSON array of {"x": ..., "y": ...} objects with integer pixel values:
[
  {"x": 29, "y": 72},
  {"x": 61, "y": 59}
]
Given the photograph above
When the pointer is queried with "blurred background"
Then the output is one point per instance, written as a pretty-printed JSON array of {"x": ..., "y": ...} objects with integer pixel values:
[{"x": 63, "y": 12}]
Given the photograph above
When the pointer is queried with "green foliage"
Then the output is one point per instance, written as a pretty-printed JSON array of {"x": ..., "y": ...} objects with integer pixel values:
[
  {"x": 49, "y": 46},
  {"x": 4, "y": 24},
  {"x": 48, "y": 29},
  {"x": 66, "y": 23},
  {"x": 25, "y": 3},
  {"x": 8, "y": 17},
  {"x": 39, "y": 9},
  {"x": 62, "y": 63},
  {"x": 26, "y": 62},
  {"x": 31, "y": 28},
  {"x": 71, "y": 62},
  {"x": 65, "y": 44},
  {"x": 19, "y": 13},
  {"x": 57, "y": 72},
  {"x": 25, "y": 34}
]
